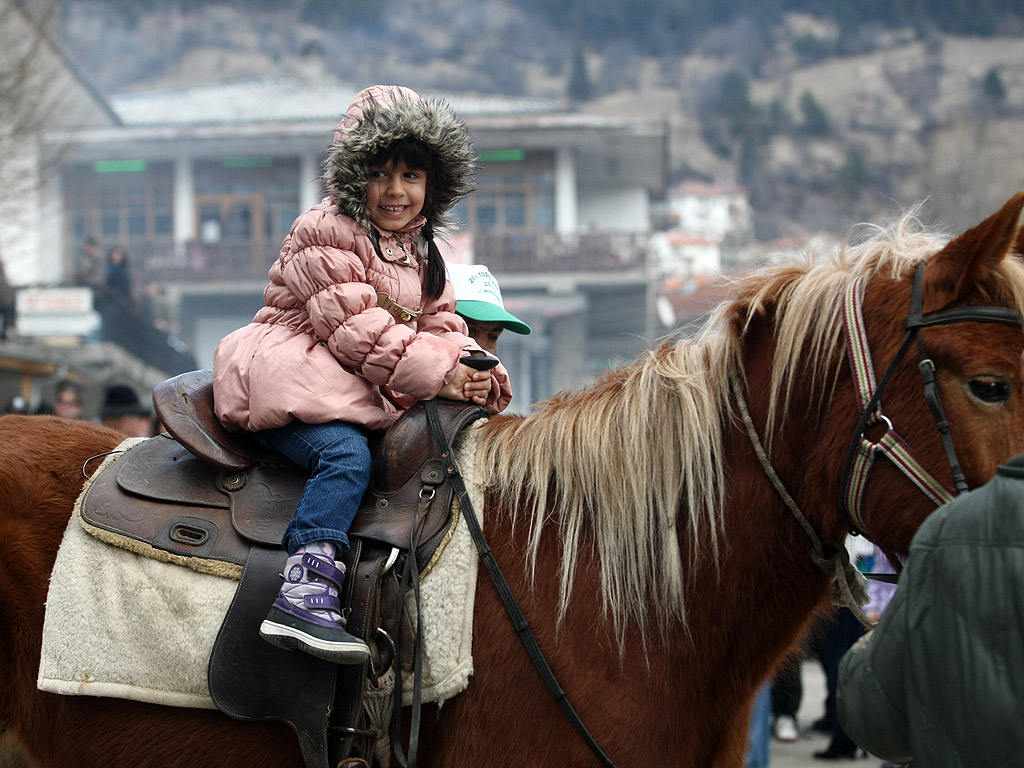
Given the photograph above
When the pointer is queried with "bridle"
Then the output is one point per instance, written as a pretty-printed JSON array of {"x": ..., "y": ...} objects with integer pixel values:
[
  {"x": 848, "y": 583},
  {"x": 862, "y": 452}
]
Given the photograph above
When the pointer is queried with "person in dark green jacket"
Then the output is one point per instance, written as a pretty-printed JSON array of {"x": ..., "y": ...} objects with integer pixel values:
[{"x": 940, "y": 680}]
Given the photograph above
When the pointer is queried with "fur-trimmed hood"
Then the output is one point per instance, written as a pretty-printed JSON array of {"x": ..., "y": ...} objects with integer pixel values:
[{"x": 379, "y": 116}]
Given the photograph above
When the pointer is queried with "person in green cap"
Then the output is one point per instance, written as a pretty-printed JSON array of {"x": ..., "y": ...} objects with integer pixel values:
[{"x": 479, "y": 304}]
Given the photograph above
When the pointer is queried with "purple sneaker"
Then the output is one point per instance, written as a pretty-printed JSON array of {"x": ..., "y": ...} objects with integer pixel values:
[{"x": 306, "y": 616}]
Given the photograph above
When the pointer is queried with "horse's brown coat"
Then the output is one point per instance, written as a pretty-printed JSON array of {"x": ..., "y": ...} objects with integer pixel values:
[{"x": 675, "y": 692}]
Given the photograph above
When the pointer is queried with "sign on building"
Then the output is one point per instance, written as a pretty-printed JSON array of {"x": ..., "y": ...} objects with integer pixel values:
[{"x": 56, "y": 312}]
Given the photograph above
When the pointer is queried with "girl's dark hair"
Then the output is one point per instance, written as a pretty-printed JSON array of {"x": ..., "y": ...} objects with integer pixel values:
[
  {"x": 416, "y": 155},
  {"x": 413, "y": 152}
]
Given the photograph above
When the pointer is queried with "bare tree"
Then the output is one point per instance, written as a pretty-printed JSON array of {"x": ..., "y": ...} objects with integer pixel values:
[{"x": 39, "y": 91}]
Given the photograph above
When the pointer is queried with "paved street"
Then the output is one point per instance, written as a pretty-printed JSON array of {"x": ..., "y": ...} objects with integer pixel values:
[{"x": 800, "y": 754}]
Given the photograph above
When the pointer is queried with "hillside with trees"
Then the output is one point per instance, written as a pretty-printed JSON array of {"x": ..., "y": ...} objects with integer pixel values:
[{"x": 827, "y": 112}]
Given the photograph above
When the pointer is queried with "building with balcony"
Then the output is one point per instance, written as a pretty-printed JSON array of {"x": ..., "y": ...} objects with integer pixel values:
[{"x": 201, "y": 184}]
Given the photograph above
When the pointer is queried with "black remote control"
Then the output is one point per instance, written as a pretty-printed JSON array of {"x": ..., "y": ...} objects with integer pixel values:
[{"x": 480, "y": 362}]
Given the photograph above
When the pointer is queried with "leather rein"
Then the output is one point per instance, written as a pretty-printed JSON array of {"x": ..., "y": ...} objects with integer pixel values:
[{"x": 519, "y": 622}]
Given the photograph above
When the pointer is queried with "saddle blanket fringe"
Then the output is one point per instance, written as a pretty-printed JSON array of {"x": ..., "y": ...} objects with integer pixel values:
[{"x": 121, "y": 625}]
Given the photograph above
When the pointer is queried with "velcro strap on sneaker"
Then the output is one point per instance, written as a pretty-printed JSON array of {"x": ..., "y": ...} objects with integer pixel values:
[
  {"x": 324, "y": 568},
  {"x": 322, "y": 602}
]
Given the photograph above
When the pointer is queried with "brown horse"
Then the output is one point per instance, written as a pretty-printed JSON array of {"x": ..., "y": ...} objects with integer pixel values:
[{"x": 663, "y": 574}]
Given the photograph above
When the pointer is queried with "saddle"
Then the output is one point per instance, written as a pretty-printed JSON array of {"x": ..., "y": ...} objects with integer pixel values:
[{"x": 219, "y": 502}]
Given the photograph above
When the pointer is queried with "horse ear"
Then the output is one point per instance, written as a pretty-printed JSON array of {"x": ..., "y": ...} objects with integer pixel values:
[{"x": 966, "y": 259}]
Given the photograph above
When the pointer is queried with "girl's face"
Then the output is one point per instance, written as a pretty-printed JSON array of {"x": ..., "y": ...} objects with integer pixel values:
[{"x": 395, "y": 195}]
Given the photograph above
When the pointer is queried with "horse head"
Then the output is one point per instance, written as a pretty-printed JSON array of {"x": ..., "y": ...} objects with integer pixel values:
[
  {"x": 976, "y": 365},
  {"x": 817, "y": 341}
]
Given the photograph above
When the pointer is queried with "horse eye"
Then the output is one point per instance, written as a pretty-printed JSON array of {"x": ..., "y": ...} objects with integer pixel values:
[{"x": 990, "y": 390}]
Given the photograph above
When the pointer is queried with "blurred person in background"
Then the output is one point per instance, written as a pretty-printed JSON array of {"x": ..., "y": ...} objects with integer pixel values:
[
  {"x": 119, "y": 276},
  {"x": 837, "y": 635},
  {"x": 67, "y": 402},
  {"x": 89, "y": 267},
  {"x": 786, "y": 693},
  {"x": 123, "y": 411}
]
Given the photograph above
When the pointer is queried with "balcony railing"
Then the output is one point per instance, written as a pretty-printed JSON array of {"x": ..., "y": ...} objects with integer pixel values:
[
  {"x": 550, "y": 252},
  {"x": 505, "y": 252},
  {"x": 224, "y": 261}
]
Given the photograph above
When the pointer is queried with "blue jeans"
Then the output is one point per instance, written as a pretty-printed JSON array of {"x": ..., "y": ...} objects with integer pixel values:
[
  {"x": 338, "y": 459},
  {"x": 759, "y": 735}
]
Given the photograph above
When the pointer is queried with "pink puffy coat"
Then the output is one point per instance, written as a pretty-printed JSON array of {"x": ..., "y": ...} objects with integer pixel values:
[{"x": 322, "y": 349}]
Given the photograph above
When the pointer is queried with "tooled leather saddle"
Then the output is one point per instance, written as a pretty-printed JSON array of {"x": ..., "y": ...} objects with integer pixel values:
[{"x": 200, "y": 492}]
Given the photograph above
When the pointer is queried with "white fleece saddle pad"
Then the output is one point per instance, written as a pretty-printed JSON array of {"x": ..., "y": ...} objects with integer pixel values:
[{"x": 122, "y": 625}]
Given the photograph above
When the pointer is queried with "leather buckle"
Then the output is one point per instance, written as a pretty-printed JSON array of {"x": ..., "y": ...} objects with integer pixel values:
[{"x": 397, "y": 311}]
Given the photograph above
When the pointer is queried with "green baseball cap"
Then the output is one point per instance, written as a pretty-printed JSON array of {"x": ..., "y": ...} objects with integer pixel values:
[{"x": 479, "y": 297}]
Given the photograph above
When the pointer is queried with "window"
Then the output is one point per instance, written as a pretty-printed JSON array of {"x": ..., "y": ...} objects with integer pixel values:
[
  {"x": 251, "y": 198},
  {"x": 513, "y": 195},
  {"x": 124, "y": 203}
]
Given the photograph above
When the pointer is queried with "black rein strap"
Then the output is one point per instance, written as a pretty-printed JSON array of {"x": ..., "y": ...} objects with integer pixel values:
[{"x": 522, "y": 626}]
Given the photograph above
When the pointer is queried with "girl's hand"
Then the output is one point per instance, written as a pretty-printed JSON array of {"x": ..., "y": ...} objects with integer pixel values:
[{"x": 468, "y": 384}]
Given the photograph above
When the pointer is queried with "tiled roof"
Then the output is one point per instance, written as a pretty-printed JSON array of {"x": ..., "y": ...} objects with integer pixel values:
[{"x": 286, "y": 99}]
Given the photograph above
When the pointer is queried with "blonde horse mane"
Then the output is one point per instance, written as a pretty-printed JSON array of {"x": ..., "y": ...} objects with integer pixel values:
[{"x": 643, "y": 444}]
